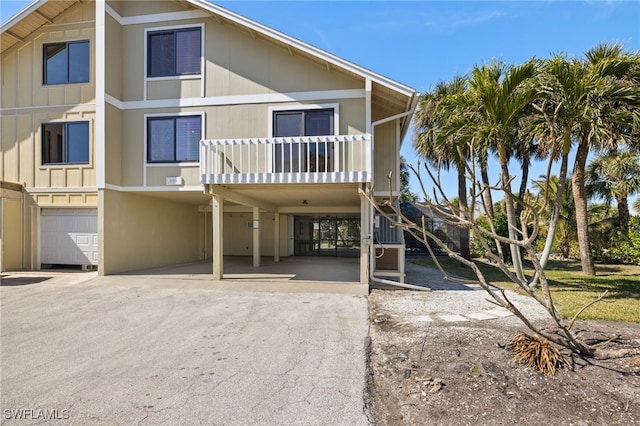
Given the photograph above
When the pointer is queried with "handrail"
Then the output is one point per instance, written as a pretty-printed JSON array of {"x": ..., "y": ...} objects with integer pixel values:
[{"x": 306, "y": 159}]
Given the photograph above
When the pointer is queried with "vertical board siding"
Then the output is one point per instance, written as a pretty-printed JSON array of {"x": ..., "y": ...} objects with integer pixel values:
[{"x": 24, "y": 96}]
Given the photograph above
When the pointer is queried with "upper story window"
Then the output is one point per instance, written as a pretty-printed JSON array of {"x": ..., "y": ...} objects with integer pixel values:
[
  {"x": 312, "y": 122},
  {"x": 173, "y": 139},
  {"x": 65, "y": 143},
  {"x": 174, "y": 52},
  {"x": 307, "y": 157},
  {"x": 66, "y": 62}
]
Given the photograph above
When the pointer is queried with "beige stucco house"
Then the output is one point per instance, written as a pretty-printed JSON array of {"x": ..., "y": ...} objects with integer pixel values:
[{"x": 137, "y": 134}]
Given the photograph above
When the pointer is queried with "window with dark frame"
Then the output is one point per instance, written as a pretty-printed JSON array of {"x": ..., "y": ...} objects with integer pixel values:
[
  {"x": 66, "y": 62},
  {"x": 174, "y": 52},
  {"x": 65, "y": 143},
  {"x": 173, "y": 139},
  {"x": 308, "y": 157}
]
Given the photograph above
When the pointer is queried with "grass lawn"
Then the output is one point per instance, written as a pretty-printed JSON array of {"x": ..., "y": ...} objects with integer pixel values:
[{"x": 571, "y": 290}]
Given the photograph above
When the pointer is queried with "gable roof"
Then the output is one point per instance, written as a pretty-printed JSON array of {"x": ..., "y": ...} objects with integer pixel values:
[
  {"x": 42, "y": 12},
  {"x": 302, "y": 47}
]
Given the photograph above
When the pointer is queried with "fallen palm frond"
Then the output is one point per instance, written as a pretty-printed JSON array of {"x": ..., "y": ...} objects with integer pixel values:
[{"x": 537, "y": 353}]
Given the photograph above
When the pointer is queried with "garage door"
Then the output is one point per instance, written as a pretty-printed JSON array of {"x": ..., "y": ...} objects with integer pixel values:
[{"x": 69, "y": 236}]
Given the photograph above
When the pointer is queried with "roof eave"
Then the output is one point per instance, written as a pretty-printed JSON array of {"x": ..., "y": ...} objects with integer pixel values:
[
  {"x": 413, "y": 104},
  {"x": 21, "y": 15}
]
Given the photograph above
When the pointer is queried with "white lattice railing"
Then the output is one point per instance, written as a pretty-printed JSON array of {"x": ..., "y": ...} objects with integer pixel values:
[{"x": 308, "y": 159}]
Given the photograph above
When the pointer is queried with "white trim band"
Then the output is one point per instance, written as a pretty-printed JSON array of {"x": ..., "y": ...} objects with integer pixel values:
[
  {"x": 238, "y": 99},
  {"x": 156, "y": 17},
  {"x": 154, "y": 188}
]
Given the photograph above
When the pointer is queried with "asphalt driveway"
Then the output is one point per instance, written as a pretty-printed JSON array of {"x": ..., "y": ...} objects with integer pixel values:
[{"x": 127, "y": 352}]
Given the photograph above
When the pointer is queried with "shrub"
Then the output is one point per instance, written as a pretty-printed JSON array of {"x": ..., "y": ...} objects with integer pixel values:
[{"x": 624, "y": 248}]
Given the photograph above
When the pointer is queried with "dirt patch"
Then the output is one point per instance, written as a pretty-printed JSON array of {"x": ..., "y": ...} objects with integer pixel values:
[{"x": 459, "y": 373}]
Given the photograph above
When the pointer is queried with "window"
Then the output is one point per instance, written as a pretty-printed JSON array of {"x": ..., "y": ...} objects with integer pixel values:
[
  {"x": 173, "y": 139},
  {"x": 173, "y": 52},
  {"x": 307, "y": 157},
  {"x": 65, "y": 143},
  {"x": 315, "y": 122},
  {"x": 66, "y": 62}
]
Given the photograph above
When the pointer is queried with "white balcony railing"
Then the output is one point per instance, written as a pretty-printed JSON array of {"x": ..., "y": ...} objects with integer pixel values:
[{"x": 308, "y": 159}]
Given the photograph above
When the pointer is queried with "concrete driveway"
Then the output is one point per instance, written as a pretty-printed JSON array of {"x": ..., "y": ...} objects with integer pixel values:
[{"x": 122, "y": 351}]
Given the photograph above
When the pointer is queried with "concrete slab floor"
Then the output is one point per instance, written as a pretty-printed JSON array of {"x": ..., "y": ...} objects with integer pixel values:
[
  {"x": 129, "y": 354},
  {"x": 293, "y": 274},
  {"x": 338, "y": 269}
]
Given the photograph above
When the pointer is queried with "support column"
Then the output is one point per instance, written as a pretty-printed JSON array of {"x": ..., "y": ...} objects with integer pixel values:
[
  {"x": 256, "y": 237},
  {"x": 276, "y": 237},
  {"x": 217, "y": 210},
  {"x": 365, "y": 239},
  {"x": 367, "y": 106}
]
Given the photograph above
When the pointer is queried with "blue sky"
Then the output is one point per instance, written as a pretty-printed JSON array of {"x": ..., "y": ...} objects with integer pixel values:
[{"x": 420, "y": 43}]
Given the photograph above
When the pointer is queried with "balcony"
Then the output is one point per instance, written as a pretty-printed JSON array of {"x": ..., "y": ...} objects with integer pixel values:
[{"x": 308, "y": 159}]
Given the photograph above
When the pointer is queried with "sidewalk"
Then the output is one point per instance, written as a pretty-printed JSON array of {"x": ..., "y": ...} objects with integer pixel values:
[{"x": 450, "y": 301}]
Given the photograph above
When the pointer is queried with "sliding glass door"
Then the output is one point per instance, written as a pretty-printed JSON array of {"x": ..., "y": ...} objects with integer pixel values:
[
  {"x": 326, "y": 236},
  {"x": 311, "y": 157}
]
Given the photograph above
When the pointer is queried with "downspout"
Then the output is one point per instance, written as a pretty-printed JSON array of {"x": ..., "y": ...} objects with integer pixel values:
[
  {"x": 397, "y": 284},
  {"x": 372, "y": 253},
  {"x": 1, "y": 234},
  {"x": 393, "y": 117},
  {"x": 23, "y": 230}
]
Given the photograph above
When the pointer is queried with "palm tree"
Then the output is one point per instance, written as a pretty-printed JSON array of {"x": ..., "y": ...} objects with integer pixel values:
[
  {"x": 551, "y": 122},
  {"x": 440, "y": 149},
  {"x": 604, "y": 120},
  {"x": 615, "y": 176},
  {"x": 590, "y": 103},
  {"x": 501, "y": 96}
]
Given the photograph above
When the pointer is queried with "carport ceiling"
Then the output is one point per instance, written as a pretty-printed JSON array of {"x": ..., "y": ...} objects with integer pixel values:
[
  {"x": 286, "y": 195},
  {"x": 316, "y": 195}
]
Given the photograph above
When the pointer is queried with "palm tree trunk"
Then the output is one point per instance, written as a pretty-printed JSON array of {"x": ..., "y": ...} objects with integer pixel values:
[
  {"x": 555, "y": 214},
  {"x": 465, "y": 251},
  {"x": 486, "y": 195},
  {"x": 523, "y": 184},
  {"x": 511, "y": 220},
  {"x": 623, "y": 213},
  {"x": 580, "y": 201},
  {"x": 487, "y": 200},
  {"x": 564, "y": 245},
  {"x": 553, "y": 222}
]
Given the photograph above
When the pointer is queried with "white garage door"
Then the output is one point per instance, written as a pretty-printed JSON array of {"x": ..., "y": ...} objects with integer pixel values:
[{"x": 69, "y": 236}]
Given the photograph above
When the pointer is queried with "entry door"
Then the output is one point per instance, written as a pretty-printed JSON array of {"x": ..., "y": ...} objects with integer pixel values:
[{"x": 69, "y": 236}]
